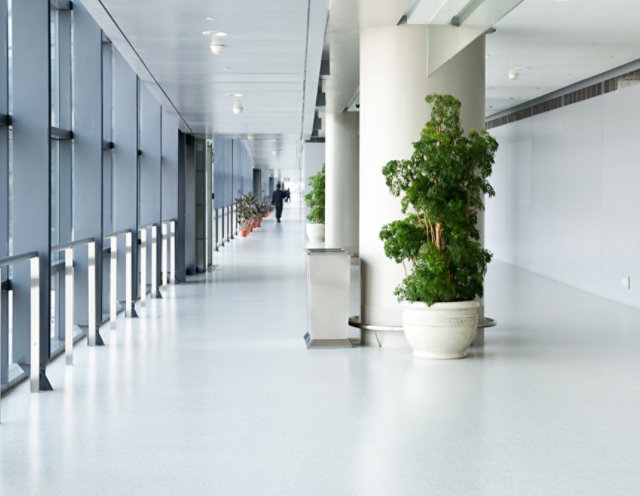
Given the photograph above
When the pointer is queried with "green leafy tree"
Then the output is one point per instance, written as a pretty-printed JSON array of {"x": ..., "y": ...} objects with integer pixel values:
[
  {"x": 441, "y": 187},
  {"x": 315, "y": 198}
]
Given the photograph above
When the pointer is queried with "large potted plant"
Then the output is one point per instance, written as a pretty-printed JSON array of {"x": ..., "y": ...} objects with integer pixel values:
[
  {"x": 442, "y": 187},
  {"x": 315, "y": 201}
]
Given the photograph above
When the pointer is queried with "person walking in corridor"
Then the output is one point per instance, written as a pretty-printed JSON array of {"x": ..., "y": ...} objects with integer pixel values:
[{"x": 276, "y": 200}]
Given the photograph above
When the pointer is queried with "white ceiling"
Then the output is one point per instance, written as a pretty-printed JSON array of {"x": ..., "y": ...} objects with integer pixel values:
[
  {"x": 273, "y": 52},
  {"x": 556, "y": 44},
  {"x": 272, "y": 57}
]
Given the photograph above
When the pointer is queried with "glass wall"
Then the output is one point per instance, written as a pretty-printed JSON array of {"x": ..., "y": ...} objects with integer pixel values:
[{"x": 64, "y": 192}]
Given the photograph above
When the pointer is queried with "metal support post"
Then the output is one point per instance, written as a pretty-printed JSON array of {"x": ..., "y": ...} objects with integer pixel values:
[
  {"x": 216, "y": 243},
  {"x": 91, "y": 282},
  {"x": 155, "y": 293},
  {"x": 172, "y": 257},
  {"x": 34, "y": 376},
  {"x": 129, "y": 310},
  {"x": 113, "y": 281},
  {"x": 68, "y": 305},
  {"x": 143, "y": 265},
  {"x": 223, "y": 223},
  {"x": 165, "y": 276}
]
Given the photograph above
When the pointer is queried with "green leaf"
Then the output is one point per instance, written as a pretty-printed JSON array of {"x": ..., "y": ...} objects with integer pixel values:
[{"x": 443, "y": 183}]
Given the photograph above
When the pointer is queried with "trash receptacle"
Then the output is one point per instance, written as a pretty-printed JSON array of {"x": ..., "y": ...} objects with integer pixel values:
[{"x": 328, "y": 278}]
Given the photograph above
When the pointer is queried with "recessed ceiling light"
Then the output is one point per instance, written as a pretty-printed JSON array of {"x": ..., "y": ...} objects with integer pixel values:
[
  {"x": 237, "y": 95},
  {"x": 237, "y": 108},
  {"x": 273, "y": 152},
  {"x": 251, "y": 137},
  {"x": 216, "y": 47},
  {"x": 209, "y": 18}
]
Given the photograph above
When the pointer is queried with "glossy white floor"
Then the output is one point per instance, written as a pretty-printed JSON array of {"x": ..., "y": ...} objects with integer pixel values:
[{"x": 211, "y": 391}]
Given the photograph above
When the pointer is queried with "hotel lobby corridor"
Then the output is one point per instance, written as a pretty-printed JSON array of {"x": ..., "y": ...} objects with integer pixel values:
[{"x": 212, "y": 391}]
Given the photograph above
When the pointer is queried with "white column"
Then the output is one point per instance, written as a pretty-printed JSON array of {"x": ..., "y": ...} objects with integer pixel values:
[
  {"x": 342, "y": 193},
  {"x": 393, "y": 85}
]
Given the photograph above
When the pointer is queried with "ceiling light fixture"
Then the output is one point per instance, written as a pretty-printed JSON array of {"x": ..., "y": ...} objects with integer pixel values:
[
  {"x": 237, "y": 95},
  {"x": 237, "y": 108},
  {"x": 216, "y": 47},
  {"x": 217, "y": 34},
  {"x": 515, "y": 72}
]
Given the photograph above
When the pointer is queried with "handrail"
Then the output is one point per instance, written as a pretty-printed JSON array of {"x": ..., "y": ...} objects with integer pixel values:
[
  {"x": 154, "y": 260},
  {"x": 34, "y": 290},
  {"x": 117, "y": 233},
  {"x": 168, "y": 235},
  {"x": 113, "y": 276},
  {"x": 17, "y": 258},
  {"x": 69, "y": 271},
  {"x": 148, "y": 226},
  {"x": 71, "y": 244}
]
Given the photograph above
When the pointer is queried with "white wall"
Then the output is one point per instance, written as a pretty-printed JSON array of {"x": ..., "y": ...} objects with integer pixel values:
[{"x": 567, "y": 202}]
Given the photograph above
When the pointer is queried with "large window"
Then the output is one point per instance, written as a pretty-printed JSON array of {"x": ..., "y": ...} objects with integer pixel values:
[
  {"x": 108, "y": 212},
  {"x": 54, "y": 47},
  {"x": 5, "y": 179},
  {"x": 38, "y": 193},
  {"x": 60, "y": 162}
]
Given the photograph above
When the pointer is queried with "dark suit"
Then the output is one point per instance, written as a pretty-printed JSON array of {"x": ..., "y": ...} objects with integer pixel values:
[{"x": 276, "y": 199}]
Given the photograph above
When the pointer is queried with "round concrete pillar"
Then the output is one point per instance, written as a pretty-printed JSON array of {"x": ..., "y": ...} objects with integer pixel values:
[
  {"x": 393, "y": 85},
  {"x": 342, "y": 192}
]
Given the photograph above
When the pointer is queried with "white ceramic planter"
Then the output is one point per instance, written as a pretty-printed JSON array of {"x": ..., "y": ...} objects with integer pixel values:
[
  {"x": 441, "y": 331},
  {"x": 315, "y": 232}
]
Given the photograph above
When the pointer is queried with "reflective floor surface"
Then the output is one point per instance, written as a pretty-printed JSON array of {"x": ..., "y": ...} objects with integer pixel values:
[{"x": 211, "y": 391}]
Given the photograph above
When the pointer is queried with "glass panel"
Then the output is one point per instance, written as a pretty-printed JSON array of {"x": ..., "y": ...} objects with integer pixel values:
[
  {"x": 55, "y": 193},
  {"x": 10, "y": 133},
  {"x": 55, "y": 76},
  {"x": 10, "y": 212},
  {"x": 10, "y": 56}
]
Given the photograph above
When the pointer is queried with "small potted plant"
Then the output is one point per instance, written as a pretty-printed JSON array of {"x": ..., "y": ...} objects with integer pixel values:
[
  {"x": 264, "y": 208},
  {"x": 442, "y": 187},
  {"x": 247, "y": 211},
  {"x": 315, "y": 201}
]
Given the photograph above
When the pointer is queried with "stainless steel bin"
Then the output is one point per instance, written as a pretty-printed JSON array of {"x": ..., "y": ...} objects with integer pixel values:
[{"x": 328, "y": 280}]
